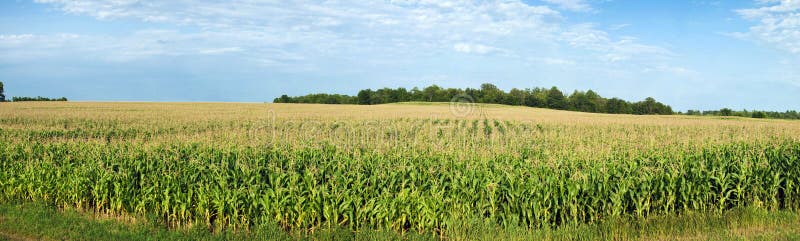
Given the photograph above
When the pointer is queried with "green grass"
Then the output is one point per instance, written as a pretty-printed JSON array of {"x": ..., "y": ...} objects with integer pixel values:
[{"x": 36, "y": 221}]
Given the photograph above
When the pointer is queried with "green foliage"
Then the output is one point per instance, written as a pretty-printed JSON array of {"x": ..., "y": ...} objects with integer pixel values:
[
  {"x": 318, "y": 99},
  {"x": 618, "y": 106},
  {"x": 726, "y": 112},
  {"x": 37, "y": 221},
  {"x": 236, "y": 188},
  {"x": 587, "y": 102},
  {"x": 556, "y": 99},
  {"x": 364, "y": 97},
  {"x": 552, "y": 98},
  {"x": 491, "y": 94},
  {"x": 283, "y": 99},
  {"x": 222, "y": 172},
  {"x": 38, "y": 98},
  {"x": 2, "y": 92},
  {"x": 791, "y": 115},
  {"x": 651, "y": 107}
]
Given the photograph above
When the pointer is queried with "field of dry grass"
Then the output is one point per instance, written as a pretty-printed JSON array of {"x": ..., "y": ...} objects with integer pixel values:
[{"x": 473, "y": 130}]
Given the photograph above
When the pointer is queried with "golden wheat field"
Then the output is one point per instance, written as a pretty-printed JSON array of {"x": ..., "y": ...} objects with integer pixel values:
[{"x": 407, "y": 167}]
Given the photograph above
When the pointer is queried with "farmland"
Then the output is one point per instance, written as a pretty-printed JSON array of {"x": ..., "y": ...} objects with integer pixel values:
[{"x": 427, "y": 168}]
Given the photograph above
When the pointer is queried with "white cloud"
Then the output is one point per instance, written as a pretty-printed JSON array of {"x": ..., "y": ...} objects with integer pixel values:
[
  {"x": 778, "y": 24},
  {"x": 572, "y": 5},
  {"x": 668, "y": 69},
  {"x": 308, "y": 33},
  {"x": 474, "y": 48},
  {"x": 221, "y": 50},
  {"x": 552, "y": 61},
  {"x": 585, "y": 36},
  {"x": 618, "y": 26}
]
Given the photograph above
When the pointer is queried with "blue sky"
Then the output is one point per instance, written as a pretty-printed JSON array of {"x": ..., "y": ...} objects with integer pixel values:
[{"x": 693, "y": 54}]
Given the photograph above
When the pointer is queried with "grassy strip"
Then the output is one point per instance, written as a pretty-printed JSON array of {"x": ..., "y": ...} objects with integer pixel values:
[{"x": 35, "y": 221}]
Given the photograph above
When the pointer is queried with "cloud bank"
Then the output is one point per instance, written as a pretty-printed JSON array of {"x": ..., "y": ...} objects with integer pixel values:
[
  {"x": 301, "y": 32},
  {"x": 777, "y": 24}
]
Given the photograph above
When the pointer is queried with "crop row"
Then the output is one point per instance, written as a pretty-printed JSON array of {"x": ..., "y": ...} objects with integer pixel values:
[{"x": 236, "y": 187}]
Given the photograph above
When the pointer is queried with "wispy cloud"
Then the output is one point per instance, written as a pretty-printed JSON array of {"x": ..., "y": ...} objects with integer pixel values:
[
  {"x": 778, "y": 24},
  {"x": 586, "y": 36},
  {"x": 309, "y": 32},
  {"x": 571, "y": 5},
  {"x": 475, "y": 48}
]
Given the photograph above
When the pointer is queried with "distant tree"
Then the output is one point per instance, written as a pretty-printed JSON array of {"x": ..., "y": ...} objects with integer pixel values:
[
  {"x": 759, "y": 114},
  {"x": 451, "y": 93},
  {"x": 646, "y": 107},
  {"x": 416, "y": 94},
  {"x": 429, "y": 94},
  {"x": 588, "y": 101},
  {"x": 576, "y": 100},
  {"x": 725, "y": 112},
  {"x": 381, "y": 96},
  {"x": 365, "y": 97},
  {"x": 553, "y": 98},
  {"x": 792, "y": 115},
  {"x": 532, "y": 99},
  {"x": 556, "y": 99},
  {"x": 651, "y": 107},
  {"x": 541, "y": 96},
  {"x": 37, "y": 98},
  {"x": 515, "y": 97},
  {"x": 402, "y": 95},
  {"x": 2, "y": 93},
  {"x": 743, "y": 113},
  {"x": 283, "y": 99},
  {"x": 597, "y": 102},
  {"x": 618, "y": 106},
  {"x": 473, "y": 93},
  {"x": 579, "y": 102},
  {"x": 490, "y": 94}
]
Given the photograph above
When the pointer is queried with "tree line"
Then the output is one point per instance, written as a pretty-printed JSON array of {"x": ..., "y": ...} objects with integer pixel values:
[
  {"x": 552, "y": 98},
  {"x": 791, "y": 114},
  {"x": 37, "y": 98},
  {"x": 17, "y": 98}
]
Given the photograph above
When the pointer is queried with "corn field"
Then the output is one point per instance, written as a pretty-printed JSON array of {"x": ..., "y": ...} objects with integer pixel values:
[{"x": 409, "y": 168}]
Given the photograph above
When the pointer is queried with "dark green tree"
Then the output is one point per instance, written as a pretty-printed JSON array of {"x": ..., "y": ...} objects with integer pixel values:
[
  {"x": 725, "y": 112},
  {"x": 490, "y": 94},
  {"x": 416, "y": 94},
  {"x": 402, "y": 95},
  {"x": 531, "y": 99},
  {"x": 365, "y": 97},
  {"x": 553, "y": 98},
  {"x": 597, "y": 103},
  {"x": 618, "y": 106},
  {"x": 556, "y": 99},
  {"x": 283, "y": 99},
  {"x": 473, "y": 93},
  {"x": 578, "y": 102},
  {"x": 515, "y": 97},
  {"x": 2, "y": 93},
  {"x": 430, "y": 93},
  {"x": 651, "y": 107}
]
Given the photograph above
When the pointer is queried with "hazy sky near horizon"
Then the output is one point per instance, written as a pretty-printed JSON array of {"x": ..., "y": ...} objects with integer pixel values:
[{"x": 692, "y": 54}]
